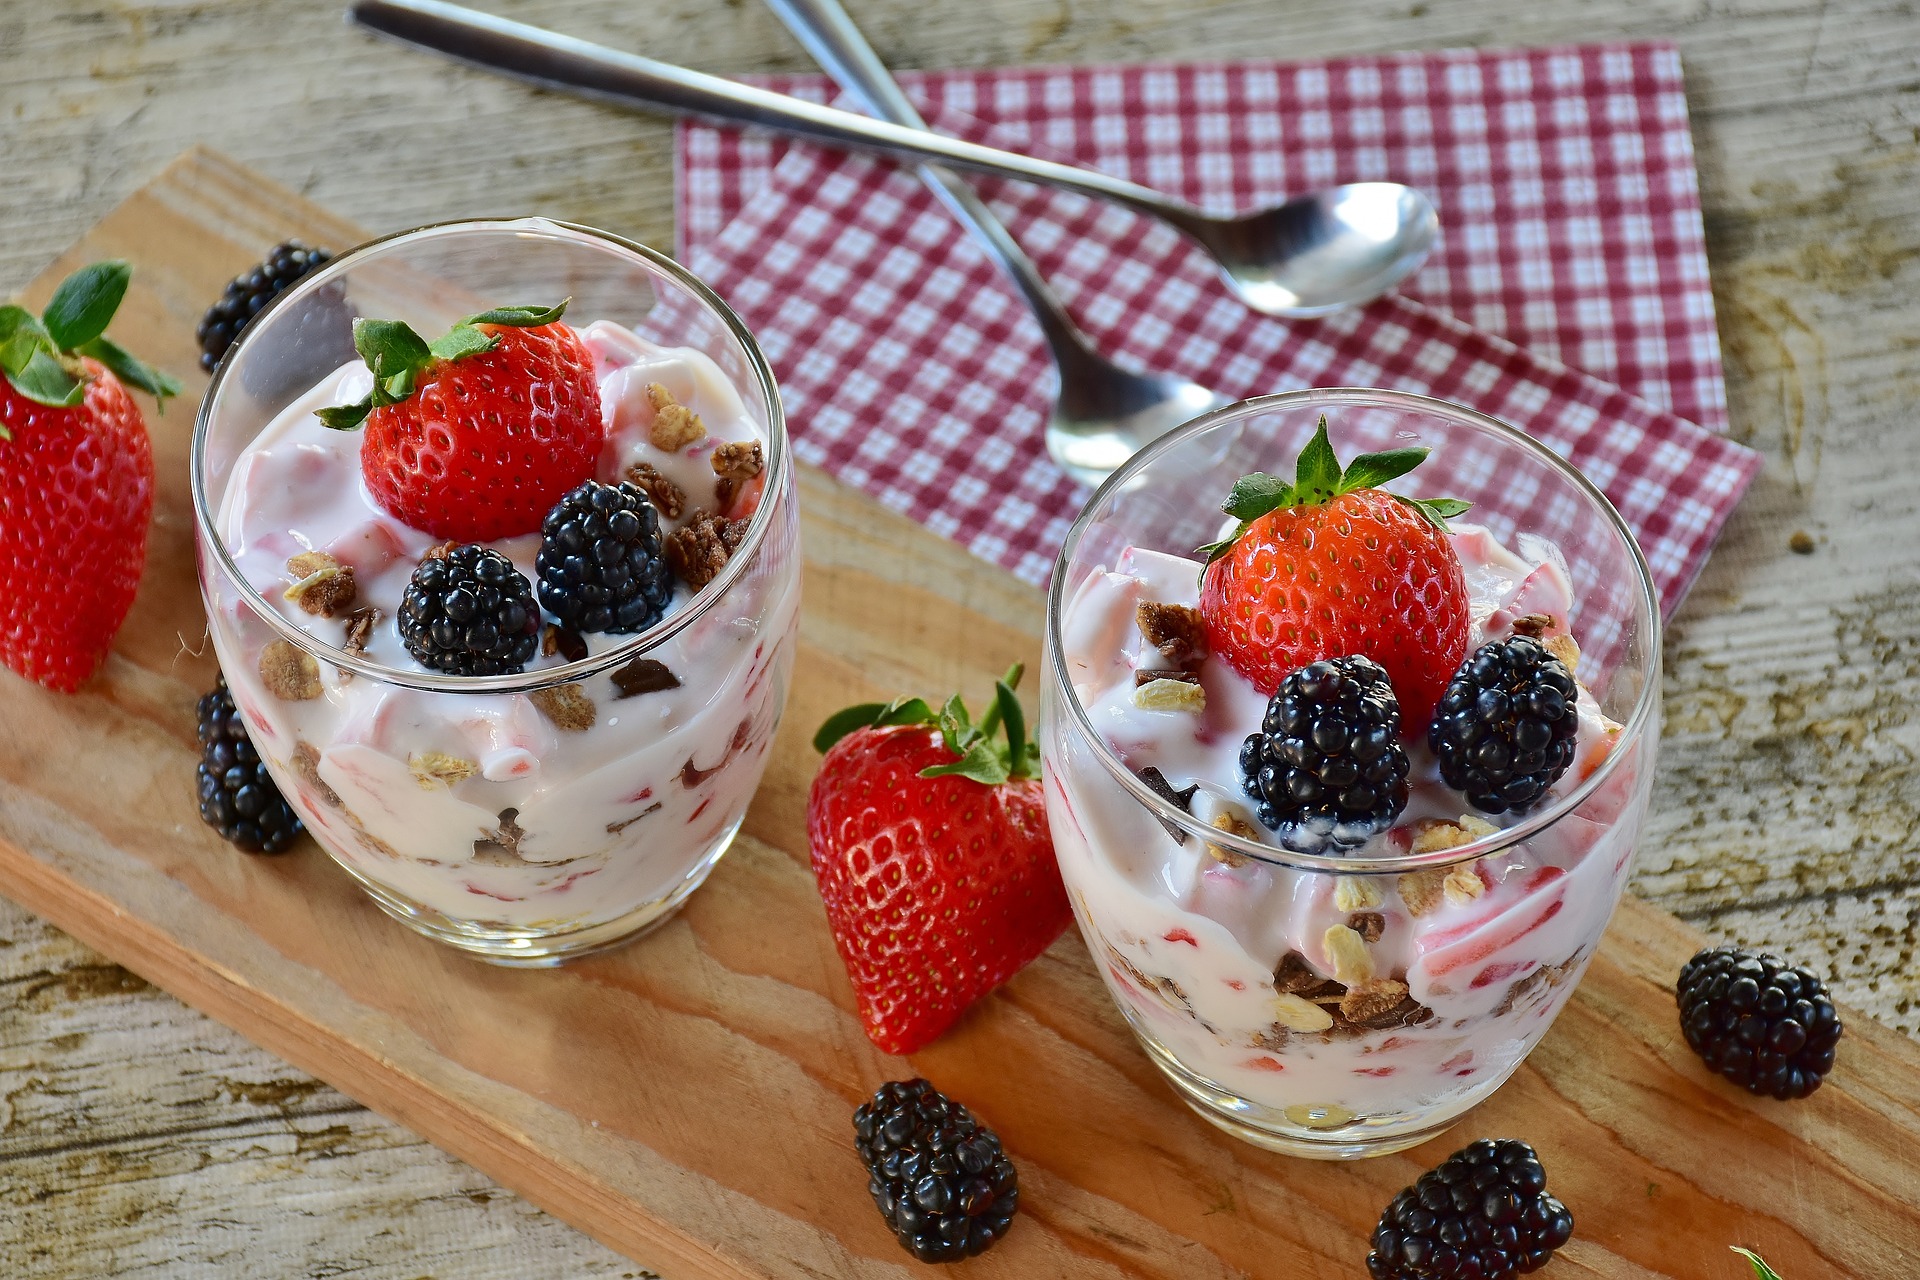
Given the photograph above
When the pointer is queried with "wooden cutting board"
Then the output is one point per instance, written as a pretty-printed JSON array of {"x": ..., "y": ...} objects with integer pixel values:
[{"x": 687, "y": 1099}]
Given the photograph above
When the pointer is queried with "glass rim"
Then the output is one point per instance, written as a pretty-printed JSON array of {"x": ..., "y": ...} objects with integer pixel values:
[
  {"x": 1632, "y": 730},
  {"x": 547, "y": 677}
]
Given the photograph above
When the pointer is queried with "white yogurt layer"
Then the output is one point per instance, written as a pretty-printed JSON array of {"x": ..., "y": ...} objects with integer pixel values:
[
  {"x": 482, "y": 807},
  {"x": 1190, "y": 942}
]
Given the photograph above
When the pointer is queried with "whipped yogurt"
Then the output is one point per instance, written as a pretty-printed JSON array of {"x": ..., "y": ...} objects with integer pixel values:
[
  {"x": 512, "y": 813},
  {"x": 1235, "y": 968}
]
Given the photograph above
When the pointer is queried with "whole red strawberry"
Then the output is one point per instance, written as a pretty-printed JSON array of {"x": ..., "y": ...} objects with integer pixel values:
[
  {"x": 1330, "y": 565},
  {"x": 931, "y": 850},
  {"x": 76, "y": 479},
  {"x": 477, "y": 435}
]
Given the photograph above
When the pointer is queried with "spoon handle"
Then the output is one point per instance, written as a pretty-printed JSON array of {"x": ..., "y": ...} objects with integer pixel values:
[
  {"x": 837, "y": 45},
  {"x": 558, "y": 61}
]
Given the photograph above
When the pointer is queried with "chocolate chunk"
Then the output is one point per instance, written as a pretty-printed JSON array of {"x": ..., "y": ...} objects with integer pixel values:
[
  {"x": 1146, "y": 676},
  {"x": 1368, "y": 924},
  {"x": 1183, "y": 800},
  {"x": 567, "y": 644},
  {"x": 644, "y": 675},
  {"x": 1532, "y": 624},
  {"x": 501, "y": 847},
  {"x": 1295, "y": 976}
]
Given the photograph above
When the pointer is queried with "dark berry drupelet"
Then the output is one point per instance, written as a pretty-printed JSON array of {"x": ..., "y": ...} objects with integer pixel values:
[
  {"x": 249, "y": 292},
  {"x": 1484, "y": 1214},
  {"x": 238, "y": 797},
  {"x": 1504, "y": 730},
  {"x": 937, "y": 1174},
  {"x": 1764, "y": 1024},
  {"x": 601, "y": 563},
  {"x": 1327, "y": 767},
  {"x": 469, "y": 613}
]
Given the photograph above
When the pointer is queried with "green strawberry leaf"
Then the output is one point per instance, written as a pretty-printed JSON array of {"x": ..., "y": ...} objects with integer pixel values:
[
  {"x": 957, "y": 726},
  {"x": 868, "y": 715},
  {"x": 43, "y": 381},
  {"x": 20, "y": 327},
  {"x": 462, "y": 340},
  {"x": 523, "y": 317},
  {"x": 1371, "y": 470},
  {"x": 1255, "y": 495},
  {"x": 982, "y": 762},
  {"x": 1317, "y": 473},
  {"x": 389, "y": 346},
  {"x": 345, "y": 417},
  {"x": 1437, "y": 511},
  {"x": 132, "y": 370},
  {"x": 1761, "y": 1271},
  {"x": 85, "y": 302},
  {"x": 1007, "y": 703}
]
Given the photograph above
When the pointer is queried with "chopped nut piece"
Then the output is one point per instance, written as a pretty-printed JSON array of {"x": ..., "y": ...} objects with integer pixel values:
[
  {"x": 1294, "y": 975},
  {"x": 1295, "y": 1014},
  {"x": 567, "y": 644},
  {"x": 1176, "y": 630},
  {"x": 1476, "y": 828},
  {"x": 1434, "y": 834},
  {"x": 289, "y": 672},
  {"x": 1463, "y": 885},
  {"x": 1352, "y": 962},
  {"x": 735, "y": 462},
  {"x": 1157, "y": 782},
  {"x": 1370, "y": 925},
  {"x": 440, "y": 550},
  {"x": 699, "y": 551},
  {"x": 1370, "y": 999},
  {"x": 1421, "y": 890},
  {"x": 644, "y": 675},
  {"x": 1233, "y": 824},
  {"x": 1355, "y": 893},
  {"x": 1533, "y": 624},
  {"x": 1145, "y": 676},
  {"x": 1170, "y": 695},
  {"x": 1564, "y": 648},
  {"x": 674, "y": 425},
  {"x": 360, "y": 625},
  {"x": 567, "y": 705},
  {"x": 438, "y": 769},
  {"x": 306, "y": 763},
  {"x": 321, "y": 585},
  {"x": 667, "y": 497}
]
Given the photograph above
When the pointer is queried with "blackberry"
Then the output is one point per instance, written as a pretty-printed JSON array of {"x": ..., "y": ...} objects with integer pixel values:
[
  {"x": 469, "y": 612},
  {"x": 1483, "y": 1214},
  {"x": 250, "y": 291},
  {"x": 601, "y": 562},
  {"x": 1764, "y": 1024},
  {"x": 937, "y": 1174},
  {"x": 238, "y": 797},
  {"x": 1504, "y": 730},
  {"x": 1327, "y": 767}
]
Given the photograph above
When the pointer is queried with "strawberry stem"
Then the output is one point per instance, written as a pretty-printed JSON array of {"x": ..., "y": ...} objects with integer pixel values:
[
  {"x": 981, "y": 756},
  {"x": 39, "y": 356}
]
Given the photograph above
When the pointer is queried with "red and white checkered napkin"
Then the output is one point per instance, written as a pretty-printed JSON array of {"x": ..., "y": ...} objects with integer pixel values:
[{"x": 912, "y": 371}]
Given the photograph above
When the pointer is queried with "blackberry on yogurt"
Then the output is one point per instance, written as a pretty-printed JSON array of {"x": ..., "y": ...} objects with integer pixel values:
[
  {"x": 937, "y": 1175},
  {"x": 469, "y": 612},
  {"x": 238, "y": 797},
  {"x": 1505, "y": 728},
  {"x": 1327, "y": 768},
  {"x": 602, "y": 564}
]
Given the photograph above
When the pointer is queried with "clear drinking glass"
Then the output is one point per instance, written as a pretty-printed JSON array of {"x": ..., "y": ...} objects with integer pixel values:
[
  {"x": 1202, "y": 949},
  {"x": 524, "y": 818}
]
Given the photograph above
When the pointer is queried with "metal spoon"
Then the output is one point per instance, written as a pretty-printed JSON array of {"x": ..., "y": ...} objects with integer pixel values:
[{"x": 1312, "y": 255}]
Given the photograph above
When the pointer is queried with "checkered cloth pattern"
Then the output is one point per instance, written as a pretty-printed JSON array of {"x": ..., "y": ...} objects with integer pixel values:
[{"x": 1583, "y": 315}]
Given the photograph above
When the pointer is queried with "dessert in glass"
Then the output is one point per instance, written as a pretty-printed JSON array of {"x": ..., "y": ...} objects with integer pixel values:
[
  {"x": 1343, "y": 813},
  {"x": 509, "y": 614}
]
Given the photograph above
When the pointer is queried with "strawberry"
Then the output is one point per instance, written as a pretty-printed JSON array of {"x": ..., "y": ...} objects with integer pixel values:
[
  {"x": 930, "y": 846},
  {"x": 1330, "y": 566},
  {"x": 76, "y": 479},
  {"x": 475, "y": 436}
]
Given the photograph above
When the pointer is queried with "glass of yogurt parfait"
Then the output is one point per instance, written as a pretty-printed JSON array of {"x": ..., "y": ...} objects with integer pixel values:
[
  {"x": 1337, "y": 957},
  {"x": 513, "y": 625}
]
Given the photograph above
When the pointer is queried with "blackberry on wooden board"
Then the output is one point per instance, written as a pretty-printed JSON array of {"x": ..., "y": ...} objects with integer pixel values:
[
  {"x": 937, "y": 1175},
  {"x": 1483, "y": 1214},
  {"x": 238, "y": 797},
  {"x": 1764, "y": 1024}
]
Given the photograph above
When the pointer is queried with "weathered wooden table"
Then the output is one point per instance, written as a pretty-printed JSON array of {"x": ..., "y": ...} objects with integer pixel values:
[{"x": 137, "y": 1138}]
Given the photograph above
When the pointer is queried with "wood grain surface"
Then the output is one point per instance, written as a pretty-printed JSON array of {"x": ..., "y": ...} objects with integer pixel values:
[
  {"x": 1788, "y": 799},
  {"x": 686, "y": 1100}
]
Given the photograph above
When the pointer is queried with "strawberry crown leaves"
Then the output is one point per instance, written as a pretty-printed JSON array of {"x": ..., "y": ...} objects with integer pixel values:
[
  {"x": 1318, "y": 479},
  {"x": 1761, "y": 1271},
  {"x": 983, "y": 757},
  {"x": 40, "y": 355},
  {"x": 398, "y": 356}
]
